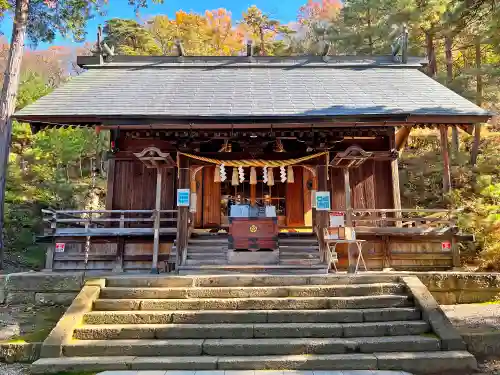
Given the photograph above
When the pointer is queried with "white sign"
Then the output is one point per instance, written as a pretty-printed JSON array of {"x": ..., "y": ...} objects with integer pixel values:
[
  {"x": 60, "y": 247},
  {"x": 183, "y": 197},
  {"x": 337, "y": 219},
  {"x": 323, "y": 201},
  {"x": 192, "y": 207}
]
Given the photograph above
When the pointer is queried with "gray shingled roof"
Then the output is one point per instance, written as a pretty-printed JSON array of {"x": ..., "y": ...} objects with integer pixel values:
[{"x": 274, "y": 89}]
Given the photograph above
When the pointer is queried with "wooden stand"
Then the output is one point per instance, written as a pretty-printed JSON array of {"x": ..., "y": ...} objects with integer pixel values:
[{"x": 253, "y": 233}]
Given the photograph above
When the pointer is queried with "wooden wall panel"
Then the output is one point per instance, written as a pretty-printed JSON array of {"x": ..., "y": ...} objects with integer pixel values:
[
  {"x": 135, "y": 186},
  {"x": 211, "y": 199},
  {"x": 198, "y": 186},
  {"x": 337, "y": 190},
  {"x": 295, "y": 199},
  {"x": 383, "y": 184}
]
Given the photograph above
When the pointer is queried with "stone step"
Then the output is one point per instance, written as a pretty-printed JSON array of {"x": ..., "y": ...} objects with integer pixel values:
[
  {"x": 416, "y": 362},
  {"x": 248, "y": 280},
  {"x": 249, "y": 347},
  {"x": 248, "y": 331},
  {"x": 266, "y": 270},
  {"x": 269, "y": 303},
  {"x": 206, "y": 254},
  {"x": 253, "y": 316},
  {"x": 248, "y": 292}
]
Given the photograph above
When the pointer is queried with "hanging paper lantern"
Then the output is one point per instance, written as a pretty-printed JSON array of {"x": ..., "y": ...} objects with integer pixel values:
[
  {"x": 217, "y": 178},
  {"x": 241, "y": 174},
  {"x": 283, "y": 174},
  {"x": 270, "y": 177},
  {"x": 265, "y": 175},
  {"x": 223, "y": 175},
  {"x": 290, "y": 177},
  {"x": 234, "y": 180},
  {"x": 253, "y": 176}
]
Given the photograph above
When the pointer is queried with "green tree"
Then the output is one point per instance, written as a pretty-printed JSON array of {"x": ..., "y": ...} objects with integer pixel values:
[
  {"x": 261, "y": 27},
  {"x": 40, "y": 20}
]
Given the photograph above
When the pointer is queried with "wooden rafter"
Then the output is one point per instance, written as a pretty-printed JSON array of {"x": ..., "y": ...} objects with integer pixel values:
[{"x": 152, "y": 157}]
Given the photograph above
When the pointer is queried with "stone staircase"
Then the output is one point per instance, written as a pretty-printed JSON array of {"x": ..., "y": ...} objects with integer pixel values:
[
  {"x": 249, "y": 322},
  {"x": 208, "y": 254}
]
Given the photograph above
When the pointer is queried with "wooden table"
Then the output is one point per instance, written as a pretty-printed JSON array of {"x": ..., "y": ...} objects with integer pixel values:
[{"x": 253, "y": 233}]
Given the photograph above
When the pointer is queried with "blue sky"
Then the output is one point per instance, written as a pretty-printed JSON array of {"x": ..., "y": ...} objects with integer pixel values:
[{"x": 282, "y": 10}]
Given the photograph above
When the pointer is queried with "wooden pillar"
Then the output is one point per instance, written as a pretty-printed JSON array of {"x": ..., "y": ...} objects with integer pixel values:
[
  {"x": 110, "y": 184},
  {"x": 156, "y": 238},
  {"x": 455, "y": 141},
  {"x": 396, "y": 190},
  {"x": 455, "y": 253},
  {"x": 182, "y": 212},
  {"x": 322, "y": 216},
  {"x": 348, "y": 219},
  {"x": 443, "y": 130},
  {"x": 253, "y": 194}
]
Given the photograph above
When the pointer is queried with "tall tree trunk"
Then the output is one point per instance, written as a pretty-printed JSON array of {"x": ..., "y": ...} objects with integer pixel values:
[
  {"x": 370, "y": 37},
  {"x": 8, "y": 102},
  {"x": 448, "y": 51},
  {"x": 479, "y": 102},
  {"x": 431, "y": 53}
]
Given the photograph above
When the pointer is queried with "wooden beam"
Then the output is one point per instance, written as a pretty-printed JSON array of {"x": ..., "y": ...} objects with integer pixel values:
[
  {"x": 156, "y": 238},
  {"x": 443, "y": 131},
  {"x": 183, "y": 212}
]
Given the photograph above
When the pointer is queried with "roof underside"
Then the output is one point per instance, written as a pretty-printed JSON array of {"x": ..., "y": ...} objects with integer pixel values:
[{"x": 176, "y": 89}]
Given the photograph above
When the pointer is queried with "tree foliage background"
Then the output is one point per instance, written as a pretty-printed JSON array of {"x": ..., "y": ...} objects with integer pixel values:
[{"x": 461, "y": 39}]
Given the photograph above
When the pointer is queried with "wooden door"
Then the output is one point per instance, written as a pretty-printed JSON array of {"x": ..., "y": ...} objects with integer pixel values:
[
  {"x": 295, "y": 199},
  {"x": 211, "y": 199}
]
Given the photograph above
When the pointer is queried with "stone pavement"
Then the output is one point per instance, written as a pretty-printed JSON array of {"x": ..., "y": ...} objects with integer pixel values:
[{"x": 256, "y": 372}]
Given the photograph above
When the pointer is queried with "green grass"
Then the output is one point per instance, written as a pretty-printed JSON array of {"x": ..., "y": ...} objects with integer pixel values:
[{"x": 497, "y": 302}]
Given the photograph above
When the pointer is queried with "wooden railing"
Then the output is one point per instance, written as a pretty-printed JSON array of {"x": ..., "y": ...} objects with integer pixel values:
[
  {"x": 114, "y": 222},
  {"x": 405, "y": 218}
]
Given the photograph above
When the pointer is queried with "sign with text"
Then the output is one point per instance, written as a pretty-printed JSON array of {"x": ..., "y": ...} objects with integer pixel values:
[
  {"x": 446, "y": 245},
  {"x": 60, "y": 247},
  {"x": 337, "y": 219},
  {"x": 323, "y": 201},
  {"x": 183, "y": 197}
]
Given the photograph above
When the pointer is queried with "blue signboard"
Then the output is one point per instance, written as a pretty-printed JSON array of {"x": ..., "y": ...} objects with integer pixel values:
[
  {"x": 183, "y": 197},
  {"x": 323, "y": 201}
]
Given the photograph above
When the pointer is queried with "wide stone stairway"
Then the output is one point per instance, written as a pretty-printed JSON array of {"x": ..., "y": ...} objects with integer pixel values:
[{"x": 329, "y": 322}]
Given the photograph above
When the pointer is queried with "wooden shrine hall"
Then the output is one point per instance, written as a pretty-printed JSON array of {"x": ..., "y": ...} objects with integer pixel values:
[{"x": 247, "y": 164}]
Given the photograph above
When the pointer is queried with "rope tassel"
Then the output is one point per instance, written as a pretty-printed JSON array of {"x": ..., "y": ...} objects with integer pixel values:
[
  {"x": 270, "y": 177},
  {"x": 253, "y": 176},
  {"x": 290, "y": 177},
  {"x": 234, "y": 180},
  {"x": 217, "y": 174}
]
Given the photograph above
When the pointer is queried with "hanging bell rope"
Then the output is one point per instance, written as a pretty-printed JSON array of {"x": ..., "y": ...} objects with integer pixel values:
[
  {"x": 264, "y": 174},
  {"x": 270, "y": 177},
  {"x": 253, "y": 176},
  {"x": 290, "y": 177},
  {"x": 234, "y": 180},
  {"x": 255, "y": 162}
]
